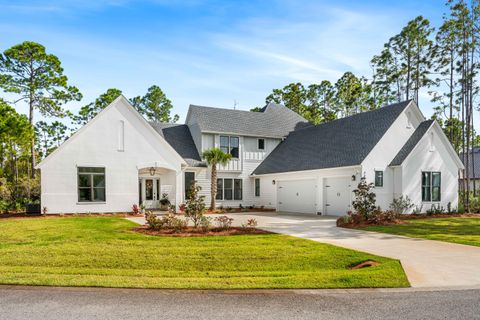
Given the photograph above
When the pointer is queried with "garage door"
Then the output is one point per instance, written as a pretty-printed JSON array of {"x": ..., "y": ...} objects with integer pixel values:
[
  {"x": 337, "y": 196},
  {"x": 297, "y": 196}
]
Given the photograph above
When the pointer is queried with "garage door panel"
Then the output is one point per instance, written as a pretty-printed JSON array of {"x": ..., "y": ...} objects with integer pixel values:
[
  {"x": 337, "y": 196},
  {"x": 297, "y": 196}
]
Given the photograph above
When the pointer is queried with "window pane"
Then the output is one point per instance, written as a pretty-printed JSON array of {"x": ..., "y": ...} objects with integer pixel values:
[
  {"x": 99, "y": 181},
  {"x": 84, "y": 194},
  {"x": 261, "y": 144},
  {"x": 189, "y": 182},
  {"x": 426, "y": 194},
  {"x": 98, "y": 194},
  {"x": 91, "y": 169},
  {"x": 238, "y": 189},
  {"x": 257, "y": 187},
  {"x": 84, "y": 180},
  {"x": 436, "y": 179},
  {"x": 223, "y": 141},
  {"x": 234, "y": 142},
  {"x": 378, "y": 178},
  {"x": 234, "y": 152},
  {"x": 425, "y": 178},
  {"x": 219, "y": 189},
  {"x": 436, "y": 194},
  {"x": 228, "y": 189},
  {"x": 149, "y": 189}
]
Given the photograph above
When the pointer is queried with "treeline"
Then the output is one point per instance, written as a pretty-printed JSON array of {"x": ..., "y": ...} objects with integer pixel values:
[{"x": 441, "y": 63}]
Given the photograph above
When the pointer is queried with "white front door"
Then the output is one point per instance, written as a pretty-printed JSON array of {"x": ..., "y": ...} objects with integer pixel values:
[
  {"x": 337, "y": 196},
  {"x": 297, "y": 196},
  {"x": 150, "y": 192}
]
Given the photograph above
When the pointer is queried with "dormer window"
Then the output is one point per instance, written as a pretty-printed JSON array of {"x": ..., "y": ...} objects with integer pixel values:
[
  {"x": 261, "y": 144},
  {"x": 230, "y": 145}
]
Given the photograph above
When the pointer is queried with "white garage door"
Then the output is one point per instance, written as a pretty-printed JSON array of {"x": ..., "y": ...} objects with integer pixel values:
[
  {"x": 297, "y": 196},
  {"x": 337, "y": 196}
]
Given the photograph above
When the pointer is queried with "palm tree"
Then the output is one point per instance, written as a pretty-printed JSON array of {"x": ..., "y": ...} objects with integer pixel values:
[{"x": 213, "y": 157}]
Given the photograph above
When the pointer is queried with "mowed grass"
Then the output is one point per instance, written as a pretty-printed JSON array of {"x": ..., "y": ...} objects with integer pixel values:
[
  {"x": 456, "y": 230},
  {"x": 104, "y": 252}
]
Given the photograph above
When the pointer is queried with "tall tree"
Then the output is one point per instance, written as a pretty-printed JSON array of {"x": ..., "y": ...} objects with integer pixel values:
[
  {"x": 49, "y": 136},
  {"x": 214, "y": 157},
  {"x": 37, "y": 78},
  {"x": 321, "y": 102},
  {"x": 87, "y": 112},
  {"x": 155, "y": 106},
  {"x": 292, "y": 96},
  {"x": 348, "y": 94},
  {"x": 403, "y": 67}
]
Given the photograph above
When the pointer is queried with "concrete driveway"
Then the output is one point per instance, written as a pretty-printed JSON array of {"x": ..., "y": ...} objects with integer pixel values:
[{"x": 427, "y": 263}]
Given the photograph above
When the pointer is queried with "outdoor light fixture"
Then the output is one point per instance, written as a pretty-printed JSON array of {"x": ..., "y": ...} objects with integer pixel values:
[
  {"x": 354, "y": 177},
  {"x": 152, "y": 171},
  {"x": 273, "y": 181}
]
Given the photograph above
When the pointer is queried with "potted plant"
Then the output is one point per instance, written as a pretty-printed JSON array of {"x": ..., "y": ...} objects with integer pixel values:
[{"x": 164, "y": 202}]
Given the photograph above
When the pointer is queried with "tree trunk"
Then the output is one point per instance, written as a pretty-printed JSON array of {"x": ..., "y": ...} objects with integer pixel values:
[
  {"x": 213, "y": 186},
  {"x": 32, "y": 145}
]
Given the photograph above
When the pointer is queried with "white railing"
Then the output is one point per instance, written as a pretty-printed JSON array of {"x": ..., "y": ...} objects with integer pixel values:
[
  {"x": 255, "y": 156},
  {"x": 232, "y": 165}
]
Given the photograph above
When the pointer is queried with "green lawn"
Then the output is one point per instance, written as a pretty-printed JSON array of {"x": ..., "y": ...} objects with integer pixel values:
[
  {"x": 102, "y": 251},
  {"x": 457, "y": 230}
]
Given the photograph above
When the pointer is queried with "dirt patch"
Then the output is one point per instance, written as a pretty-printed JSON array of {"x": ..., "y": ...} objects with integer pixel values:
[
  {"x": 365, "y": 264},
  {"x": 197, "y": 232}
]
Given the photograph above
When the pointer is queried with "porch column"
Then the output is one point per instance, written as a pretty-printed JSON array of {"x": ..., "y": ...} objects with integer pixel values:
[{"x": 178, "y": 189}]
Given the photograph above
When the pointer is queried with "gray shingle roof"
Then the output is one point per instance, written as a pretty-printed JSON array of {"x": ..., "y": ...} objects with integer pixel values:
[
  {"x": 180, "y": 138},
  {"x": 411, "y": 143},
  {"x": 474, "y": 171},
  {"x": 340, "y": 143},
  {"x": 275, "y": 121}
]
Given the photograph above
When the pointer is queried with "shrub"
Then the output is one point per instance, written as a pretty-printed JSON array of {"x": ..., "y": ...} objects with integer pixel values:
[
  {"x": 251, "y": 223},
  {"x": 224, "y": 222},
  {"x": 182, "y": 207},
  {"x": 166, "y": 222},
  {"x": 152, "y": 221},
  {"x": 195, "y": 206},
  {"x": 364, "y": 202},
  {"x": 205, "y": 222},
  {"x": 435, "y": 210},
  {"x": 401, "y": 205},
  {"x": 135, "y": 209},
  {"x": 164, "y": 200}
]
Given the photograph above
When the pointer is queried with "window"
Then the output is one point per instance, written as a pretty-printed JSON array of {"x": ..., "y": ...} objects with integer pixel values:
[
  {"x": 219, "y": 189},
  {"x": 230, "y": 145},
  {"x": 257, "y": 187},
  {"x": 91, "y": 184},
  {"x": 229, "y": 189},
  {"x": 261, "y": 144},
  {"x": 431, "y": 186},
  {"x": 237, "y": 189},
  {"x": 189, "y": 182},
  {"x": 378, "y": 178}
]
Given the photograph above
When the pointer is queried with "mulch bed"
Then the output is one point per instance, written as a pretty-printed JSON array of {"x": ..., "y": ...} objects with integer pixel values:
[
  {"x": 68, "y": 215},
  {"x": 403, "y": 219},
  {"x": 193, "y": 232}
]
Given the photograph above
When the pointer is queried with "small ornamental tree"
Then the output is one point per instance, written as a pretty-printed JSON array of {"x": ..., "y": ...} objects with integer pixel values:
[
  {"x": 364, "y": 203},
  {"x": 195, "y": 206}
]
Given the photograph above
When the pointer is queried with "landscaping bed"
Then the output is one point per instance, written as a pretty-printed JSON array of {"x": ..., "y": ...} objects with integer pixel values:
[{"x": 197, "y": 232}]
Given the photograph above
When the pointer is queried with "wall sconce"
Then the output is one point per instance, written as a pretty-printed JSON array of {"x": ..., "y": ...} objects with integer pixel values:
[
  {"x": 354, "y": 177},
  {"x": 152, "y": 171},
  {"x": 273, "y": 181}
]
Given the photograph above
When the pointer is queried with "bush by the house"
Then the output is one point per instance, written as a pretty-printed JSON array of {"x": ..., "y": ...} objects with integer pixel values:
[
  {"x": 251, "y": 223},
  {"x": 224, "y": 222},
  {"x": 195, "y": 205},
  {"x": 135, "y": 209},
  {"x": 401, "y": 205},
  {"x": 365, "y": 199},
  {"x": 168, "y": 221}
]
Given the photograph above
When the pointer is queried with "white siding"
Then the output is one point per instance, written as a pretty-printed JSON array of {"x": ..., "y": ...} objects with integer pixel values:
[
  {"x": 97, "y": 144},
  {"x": 422, "y": 159},
  {"x": 386, "y": 149}
]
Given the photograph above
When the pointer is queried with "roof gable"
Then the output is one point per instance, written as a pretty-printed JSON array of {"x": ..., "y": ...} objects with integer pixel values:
[
  {"x": 339, "y": 143},
  {"x": 411, "y": 143},
  {"x": 120, "y": 102},
  {"x": 274, "y": 121}
]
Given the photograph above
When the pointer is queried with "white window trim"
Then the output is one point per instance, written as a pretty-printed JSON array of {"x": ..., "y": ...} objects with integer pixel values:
[
  {"x": 375, "y": 178},
  {"x": 255, "y": 188},
  {"x": 229, "y": 144},
  {"x": 233, "y": 189},
  {"x": 78, "y": 188},
  {"x": 431, "y": 187}
]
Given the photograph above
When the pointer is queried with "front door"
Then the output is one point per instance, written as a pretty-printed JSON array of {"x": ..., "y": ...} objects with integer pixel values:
[{"x": 150, "y": 192}]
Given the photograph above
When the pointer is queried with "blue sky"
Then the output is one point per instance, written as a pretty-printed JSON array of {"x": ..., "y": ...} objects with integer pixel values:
[{"x": 208, "y": 52}]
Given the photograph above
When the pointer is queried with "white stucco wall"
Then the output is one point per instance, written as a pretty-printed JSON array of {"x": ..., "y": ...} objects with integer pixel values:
[
  {"x": 97, "y": 145},
  {"x": 425, "y": 158}
]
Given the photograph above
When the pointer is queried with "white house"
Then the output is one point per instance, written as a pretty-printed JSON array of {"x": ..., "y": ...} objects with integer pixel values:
[{"x": 279, "y": 160}]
